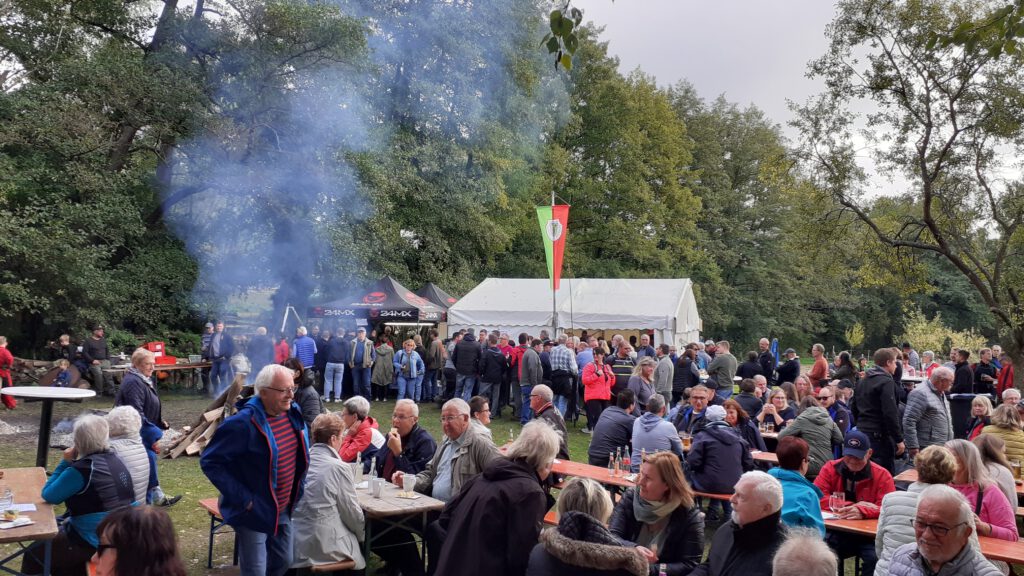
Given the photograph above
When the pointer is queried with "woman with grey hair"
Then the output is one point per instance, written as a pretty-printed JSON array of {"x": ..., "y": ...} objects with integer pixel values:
[
  {"x": 494, "y": 522},
  {"x": 642, "y": 383},
  {"x": 92, "y": 482},
  {"x": 359, "y": 430},
  {"x": 581, "y": 543},
  {"x": 124, "y": 423}
]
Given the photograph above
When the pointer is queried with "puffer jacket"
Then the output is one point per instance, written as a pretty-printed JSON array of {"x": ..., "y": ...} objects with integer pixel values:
[
  {"x": 818, "y": 429},
  {"x": 894, "y": 529},
  {"x": 906, "y": 561},
  {"x": 683, "y": 546},
  {"x": 582, "y": 546},
  {"x": 1014, "y": 440},
  {"x": 926, "y": 419},
  {"x": 597, "y": 386},
  {"x": 131, "y": 451},
  {"x": 717, "y": 458},
  {"x": 801, "y": 500}
]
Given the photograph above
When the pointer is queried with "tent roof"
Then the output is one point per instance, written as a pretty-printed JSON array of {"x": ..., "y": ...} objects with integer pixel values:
[
  {"x": 386, "y": 299},
  {"x": 436, "y": 295},
  {"x": 581, "y": 303}
]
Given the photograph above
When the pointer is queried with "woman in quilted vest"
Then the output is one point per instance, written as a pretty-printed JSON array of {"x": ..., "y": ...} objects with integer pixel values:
[{"x": 124, "y": 423}]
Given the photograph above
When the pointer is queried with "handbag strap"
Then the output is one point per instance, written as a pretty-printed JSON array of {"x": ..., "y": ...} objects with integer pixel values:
[{"x": 977, "y": 503}]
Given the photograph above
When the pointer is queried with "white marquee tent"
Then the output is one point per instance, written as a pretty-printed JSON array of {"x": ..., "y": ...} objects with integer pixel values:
[{"x": 524, "y": 305}]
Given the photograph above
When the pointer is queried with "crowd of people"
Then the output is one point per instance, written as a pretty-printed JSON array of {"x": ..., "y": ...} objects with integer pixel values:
[{"x": 285, "y": 464}]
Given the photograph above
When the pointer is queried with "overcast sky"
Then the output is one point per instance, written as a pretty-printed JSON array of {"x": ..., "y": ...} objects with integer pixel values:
[{"x": 752, "y": 51}]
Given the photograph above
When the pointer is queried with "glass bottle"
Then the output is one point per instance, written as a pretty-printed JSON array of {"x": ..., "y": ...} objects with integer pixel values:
[{"x": 611, "y": 464}]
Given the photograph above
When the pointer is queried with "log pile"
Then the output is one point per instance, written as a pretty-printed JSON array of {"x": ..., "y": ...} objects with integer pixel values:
[{"x": 195, "y": 437}]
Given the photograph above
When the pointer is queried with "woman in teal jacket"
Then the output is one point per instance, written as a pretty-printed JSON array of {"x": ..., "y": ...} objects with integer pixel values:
[{"x": 800, "y": 498}]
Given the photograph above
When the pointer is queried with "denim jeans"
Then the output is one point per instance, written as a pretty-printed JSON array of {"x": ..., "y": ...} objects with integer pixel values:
[
  {"x": 361, "y": 381},
  {"x": 490, "y": 391},
  {"x": 334, "y": 375},
  {"x": 220, "y": 375},
  {"x": 262, "y": 554},
  {"x": 418, "y": 395},
  {"x": 429, "y": 386},
  {"x": 561, "y": 402},
  {"x": 724, "y": 393},
  {"x": 464, "y": 386},
  {"x": 525, "y": 413},
  {"x": 406, "y": 388}
]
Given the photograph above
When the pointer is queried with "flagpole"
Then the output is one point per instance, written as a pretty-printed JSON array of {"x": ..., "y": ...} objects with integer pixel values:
[{"x": 554, "y": 302}]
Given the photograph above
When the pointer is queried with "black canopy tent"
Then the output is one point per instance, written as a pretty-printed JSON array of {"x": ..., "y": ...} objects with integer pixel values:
[
  {"x": 439, "y": 297},
  {"x": 385, "y": 301}
]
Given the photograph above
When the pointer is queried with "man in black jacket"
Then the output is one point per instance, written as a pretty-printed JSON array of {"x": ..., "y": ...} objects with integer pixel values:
[
  {"x": 746, "y": 543},
  {"x": 614, "y": 429},
  {"x": 767, "y": 361},
  {"x": 466, "y": 358},
  {"x": 963, "y": 377},
  {"x": 790, "y": 369},
  {"x": 875, "y": 410},
  {"x": 492, "y": 373}
]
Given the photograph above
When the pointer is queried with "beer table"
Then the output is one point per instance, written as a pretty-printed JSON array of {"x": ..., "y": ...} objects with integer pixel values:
[
  {"x": 991, "y": 548},
  {"x": 395, "y": 513},
  {"x": 759, "y": 456},
  {"x": 569, "y": 468},
  {"x": 47, "y": 395},
  {"x": 27, "y": 486}
]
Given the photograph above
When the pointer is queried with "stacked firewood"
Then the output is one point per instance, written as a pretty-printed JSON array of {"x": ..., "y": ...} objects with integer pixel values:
[{"x": 194, "y": 438}]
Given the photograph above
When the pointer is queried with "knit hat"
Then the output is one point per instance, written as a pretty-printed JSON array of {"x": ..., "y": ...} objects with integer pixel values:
[{"x": 714, "y": 414}]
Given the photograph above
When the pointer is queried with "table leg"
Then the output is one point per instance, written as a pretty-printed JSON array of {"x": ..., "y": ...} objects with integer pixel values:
[
  {"x": 367, "y": 540},
  {"x": 45, "y": 422},
  {"x": 47, "y": 554}
]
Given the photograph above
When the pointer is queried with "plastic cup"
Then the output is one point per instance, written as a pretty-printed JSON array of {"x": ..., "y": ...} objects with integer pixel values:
[
  {"x": 408, "y": 482},
  {"x": 377, "y": 488}
]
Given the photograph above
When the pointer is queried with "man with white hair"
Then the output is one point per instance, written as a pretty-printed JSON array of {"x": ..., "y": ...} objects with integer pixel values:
[
  {"x": 304, "y": 348},
  {"x": 804, "y": 553},
  {"x": 926, "y": 418},
  {"x": 745, "y": 545},
  {"x": 1011, "y": 396},
  {"x": 463, "y": 454},
  {"x": 258, "y": 459},
  {"x": 943, "y": 525},
  {"x": 541, "y": 399}
]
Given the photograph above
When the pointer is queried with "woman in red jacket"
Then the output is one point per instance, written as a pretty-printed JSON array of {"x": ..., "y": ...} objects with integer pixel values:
[
  {"x": 281, "y": 349},
  {"x": 597, "y": 387},
  {"x": 359, "y": 430}
]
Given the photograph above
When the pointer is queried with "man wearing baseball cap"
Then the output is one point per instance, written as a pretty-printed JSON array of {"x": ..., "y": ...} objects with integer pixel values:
[
  {"x": 790, "y": 368},
  {"x": 860, "y": 484}
]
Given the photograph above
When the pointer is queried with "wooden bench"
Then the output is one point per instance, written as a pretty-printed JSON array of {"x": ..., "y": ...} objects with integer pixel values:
[
  {"x": 551, "y": 518},
  {"x": 217, "y": 525},
  {"x": 712, "y": 496}
]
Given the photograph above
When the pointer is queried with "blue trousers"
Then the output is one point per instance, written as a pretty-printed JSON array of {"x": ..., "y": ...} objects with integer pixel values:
[
  {"x": 406, "y": 388},
  {"x": 525, "y": 413},
  {"x": 361, "y": 381},
  {"x": 262, "y": 554},
  {"x": 724, "y": 393},
  {"x": 429, "y": 386},
  {"x": 464, "y": 386},
  {"x": 220, "y": 375},
  {"x": 334, "y": 374},
  {"x": 561, "y": 402},
  {"x": 150, "y": 434}
]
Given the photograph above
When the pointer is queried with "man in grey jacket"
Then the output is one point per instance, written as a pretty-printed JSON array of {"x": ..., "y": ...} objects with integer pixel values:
[
  {"x": 943, "y": 525},
  {"x": 926, "y": 419},
  {"x": 663, "y": 373}
]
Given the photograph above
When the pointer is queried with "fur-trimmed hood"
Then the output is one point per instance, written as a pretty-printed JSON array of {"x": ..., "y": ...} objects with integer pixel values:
[{"x": 580, "y": 540}]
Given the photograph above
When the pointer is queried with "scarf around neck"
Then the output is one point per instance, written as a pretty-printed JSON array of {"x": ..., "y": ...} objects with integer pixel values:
[
  {"x": 145, "y": 379},
  {"x": 651, "y": 512}
]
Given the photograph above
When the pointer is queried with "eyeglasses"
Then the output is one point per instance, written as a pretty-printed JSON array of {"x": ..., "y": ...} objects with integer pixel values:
[
  {"x": 101, "y": 548},
  {"x": 285, "y": 391},
  {"x": 400, "y": 417},
  {"x": 823, "y": 397},
  {"x": 936, "y": 529},
  {"x": 450, "y": 418}
]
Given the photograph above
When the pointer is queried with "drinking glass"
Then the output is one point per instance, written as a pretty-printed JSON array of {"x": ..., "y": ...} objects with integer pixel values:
[
  {"x": 770, "y": 427},
  {"x": 408, "y": 482},
  {"x": 835, "y": 502},
  {"x": 6, "y": 499}
]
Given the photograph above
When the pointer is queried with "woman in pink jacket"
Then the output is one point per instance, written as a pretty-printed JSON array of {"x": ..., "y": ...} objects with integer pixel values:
[
  {"x": 597, "y": 387},
  {"x": 993, "y": 514}
]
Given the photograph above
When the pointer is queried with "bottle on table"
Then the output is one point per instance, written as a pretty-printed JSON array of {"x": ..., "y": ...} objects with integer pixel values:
[
  {"x": 626, "y": 469},
  {"x": 611, "y": 464}
]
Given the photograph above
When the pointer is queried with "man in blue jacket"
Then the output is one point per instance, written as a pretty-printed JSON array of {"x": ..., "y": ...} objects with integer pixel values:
[{"x": 258, "y": 459}]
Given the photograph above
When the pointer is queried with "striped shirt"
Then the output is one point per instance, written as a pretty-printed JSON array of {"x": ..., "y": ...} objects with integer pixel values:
[{"x": 287, "y": 442}]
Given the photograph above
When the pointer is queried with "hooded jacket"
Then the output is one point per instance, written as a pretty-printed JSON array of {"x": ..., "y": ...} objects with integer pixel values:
[
  {"x": 654, "y": 434},
  {"x": 818, "y": 429},
  {"x": 466, "y": 356},
  {"x": 717, "y": 458},
  {"x": 491, "y": 526},
  {"x": 684, "y": 535},
  {"x": 582, "y": 546},
  {"x": 874, "y": 405},
  {"x": 383, "y": 373},
  {"x": 801, "y": 500},
  {"x": 241, "y": 462}
]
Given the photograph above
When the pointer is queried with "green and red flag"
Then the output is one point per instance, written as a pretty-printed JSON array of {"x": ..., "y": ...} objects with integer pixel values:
[{"x": 554, "y": 224}]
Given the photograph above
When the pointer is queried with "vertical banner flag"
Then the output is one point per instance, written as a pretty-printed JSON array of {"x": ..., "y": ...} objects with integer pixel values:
[{"x": 554, "y": 223}]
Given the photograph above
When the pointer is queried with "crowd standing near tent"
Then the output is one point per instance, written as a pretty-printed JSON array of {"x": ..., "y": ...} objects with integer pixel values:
[{"x": 691, "y": 419}]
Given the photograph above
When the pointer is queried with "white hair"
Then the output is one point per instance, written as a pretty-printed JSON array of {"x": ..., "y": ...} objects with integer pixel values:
[
  {"x": 262, "y": 331},
  {"x": 91, "y": 435},
  {"x": 537, "y": 444},
  {"x": 943, "y": 494},
  {"x": 412, "y": 406},
  {"x": 359, "y": 406},
  {"x": 141, "y": 355},
  {"x": 543, "y": 391},
  {"x": 1011, "y": 392},
  {"x": 760, "y": 378},
  {"x": 805, "y": 553},
  {"x": 267, "y": 374},
  {"x": 766, "y": 488},
  {"x": 928, "y": 354},
  {"x": 460, "y": 406},
  {"x": 124, "y": 421},
  {"x": 301, "y": 331},
  {"x": 562, "y": 339},
  {"x": 943, "y": 374}
]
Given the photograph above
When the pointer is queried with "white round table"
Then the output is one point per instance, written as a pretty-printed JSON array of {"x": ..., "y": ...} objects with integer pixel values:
[{"x": 47, "y": 395}]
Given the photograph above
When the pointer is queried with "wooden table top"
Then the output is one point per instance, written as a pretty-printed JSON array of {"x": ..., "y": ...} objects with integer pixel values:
[
  {"x": 991, "y": 548},
  {"x": 27, "y": 486},
  {"x": 759, "y": 456},
  {"x": 570, "y": 468},
  {"x": 389, "y": 504},
  {"x": 910, "y": 475}
]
